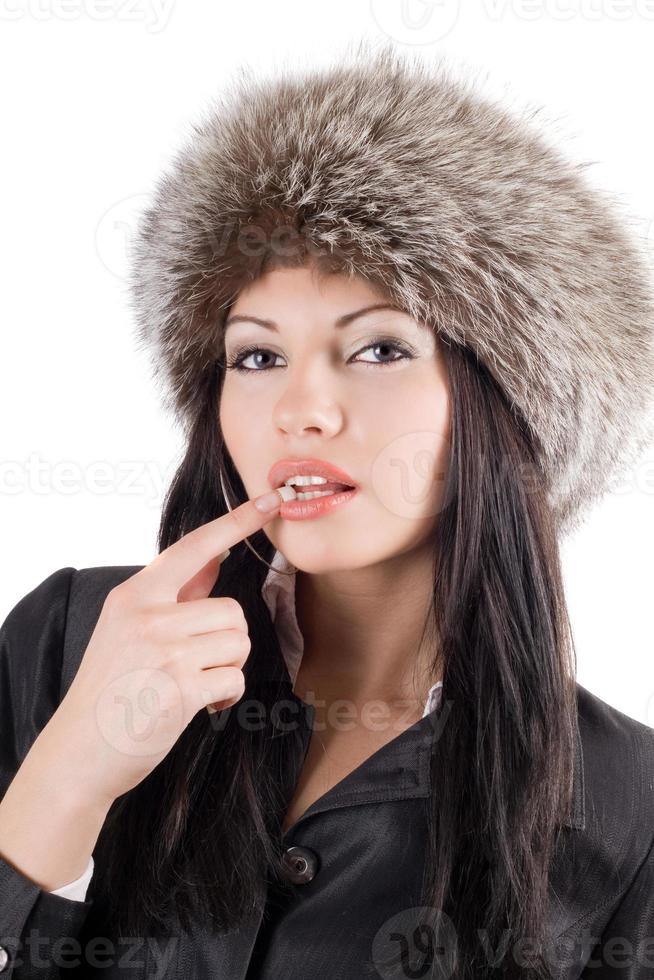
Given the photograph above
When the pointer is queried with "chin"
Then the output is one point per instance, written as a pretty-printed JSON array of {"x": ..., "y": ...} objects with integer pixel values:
[{"x": 321, "y": 557}]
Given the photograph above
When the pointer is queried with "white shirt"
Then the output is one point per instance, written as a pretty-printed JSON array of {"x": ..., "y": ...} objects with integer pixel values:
[{"x": 278, "y": 592}]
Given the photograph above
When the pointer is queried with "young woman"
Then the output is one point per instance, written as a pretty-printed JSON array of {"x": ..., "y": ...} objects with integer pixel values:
[{"x": 373, "y": 288}]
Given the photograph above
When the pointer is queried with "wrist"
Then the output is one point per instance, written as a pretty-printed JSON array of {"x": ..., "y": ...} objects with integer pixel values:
[{"x": 58, "y": 758}]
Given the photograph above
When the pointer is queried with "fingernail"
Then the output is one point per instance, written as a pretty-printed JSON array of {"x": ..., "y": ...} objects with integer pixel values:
[
  {"x": 211, "y": 709},
  {"x": 270, "y": 501},
  {"x": 224, "y": 555}
]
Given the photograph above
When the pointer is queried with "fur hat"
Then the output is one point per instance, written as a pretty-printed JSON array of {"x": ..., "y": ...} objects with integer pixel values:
[{"x": 466, "y": 214}]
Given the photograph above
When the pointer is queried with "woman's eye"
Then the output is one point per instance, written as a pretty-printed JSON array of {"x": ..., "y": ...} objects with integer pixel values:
[
  {"x": 385, "y": 345},
  {"x": 237, "y": 360}
]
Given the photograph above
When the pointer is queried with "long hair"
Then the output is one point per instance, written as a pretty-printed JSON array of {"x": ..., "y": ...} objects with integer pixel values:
[{"x": 199, "y": 837}]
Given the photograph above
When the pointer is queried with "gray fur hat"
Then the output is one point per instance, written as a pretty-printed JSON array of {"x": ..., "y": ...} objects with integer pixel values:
[{"x": 466, "y": 214}]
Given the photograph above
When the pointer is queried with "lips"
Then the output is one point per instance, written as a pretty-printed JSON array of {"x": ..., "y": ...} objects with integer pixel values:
[{"x": 285, "y": 468}]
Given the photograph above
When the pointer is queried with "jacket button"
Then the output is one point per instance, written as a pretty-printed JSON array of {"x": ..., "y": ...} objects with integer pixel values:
[
  {"x": 300, "y": 864},
  {"x": 4, "y": 958}
]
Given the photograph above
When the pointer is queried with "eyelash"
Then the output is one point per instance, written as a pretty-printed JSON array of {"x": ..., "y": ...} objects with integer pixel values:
[{"x": 242, "y": 353}]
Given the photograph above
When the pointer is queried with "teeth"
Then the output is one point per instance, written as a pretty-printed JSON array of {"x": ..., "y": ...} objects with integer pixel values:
[
  {"x": 288, "y": 491},
  {"x": 315, "y": 493},
  {"x": 304, "y": 481}
]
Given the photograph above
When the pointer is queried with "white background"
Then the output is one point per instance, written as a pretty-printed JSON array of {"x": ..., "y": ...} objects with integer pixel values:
[{"x": 97, "y": 95}]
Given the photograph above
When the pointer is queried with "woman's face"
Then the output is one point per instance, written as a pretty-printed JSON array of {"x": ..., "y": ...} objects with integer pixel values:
[{"x": 370, "y": 397}]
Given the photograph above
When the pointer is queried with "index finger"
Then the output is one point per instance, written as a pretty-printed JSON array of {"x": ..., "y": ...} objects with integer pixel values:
[{"x": 179, "y": 562}]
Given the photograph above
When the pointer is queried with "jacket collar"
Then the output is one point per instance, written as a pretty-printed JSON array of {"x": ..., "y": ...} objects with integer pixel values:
[
  {"x": 577, "y": 819},
  {"x": 401, "y": 768}
]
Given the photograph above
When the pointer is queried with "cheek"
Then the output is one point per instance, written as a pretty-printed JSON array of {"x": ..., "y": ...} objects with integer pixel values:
[
  {"x": 408, "y": 435},
  {"x": 240, "y": 411},
  {"x": 238, "y": 423}
]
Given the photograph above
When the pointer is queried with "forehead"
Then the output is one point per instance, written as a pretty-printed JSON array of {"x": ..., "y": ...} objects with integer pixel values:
[
  {"x": 283, "y": 289},
  {"x": 286, "y": 296},
  {"x": 340, "y": 322}
]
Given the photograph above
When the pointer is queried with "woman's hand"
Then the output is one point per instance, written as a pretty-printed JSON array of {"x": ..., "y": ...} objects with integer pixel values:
[{"x": 161, "y": 650}]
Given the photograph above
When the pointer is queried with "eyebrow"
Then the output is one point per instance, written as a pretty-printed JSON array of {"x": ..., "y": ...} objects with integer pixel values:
[{"x": 342, "y": 321}]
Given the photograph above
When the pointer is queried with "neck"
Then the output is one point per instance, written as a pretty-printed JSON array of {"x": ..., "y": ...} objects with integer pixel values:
[{"x": 368, "y": 633}]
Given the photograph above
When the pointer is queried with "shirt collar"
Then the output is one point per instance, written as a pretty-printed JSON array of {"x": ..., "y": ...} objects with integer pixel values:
[{"x": 278, "y": 592}]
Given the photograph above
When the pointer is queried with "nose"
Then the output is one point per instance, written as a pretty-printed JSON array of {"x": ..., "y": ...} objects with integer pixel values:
[{"x": 308, "y": 407}]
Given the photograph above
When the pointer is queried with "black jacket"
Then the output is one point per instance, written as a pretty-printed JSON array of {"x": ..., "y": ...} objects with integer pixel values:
[{"x": 354, "y": 858}]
